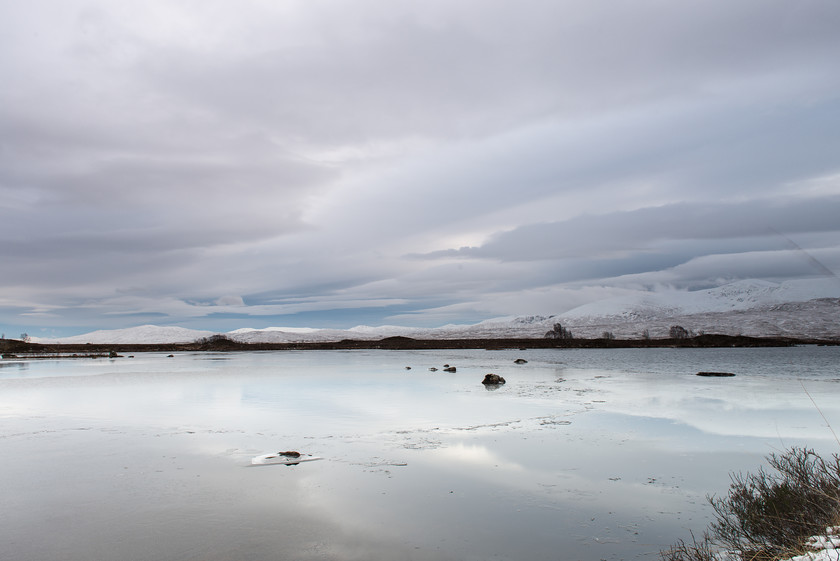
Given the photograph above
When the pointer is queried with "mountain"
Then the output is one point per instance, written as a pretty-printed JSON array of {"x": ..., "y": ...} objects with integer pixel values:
[
  {"x": 803, "y": 308},
  {"x": 144, "y": 334},
  {"x": 751, "y": 307}
]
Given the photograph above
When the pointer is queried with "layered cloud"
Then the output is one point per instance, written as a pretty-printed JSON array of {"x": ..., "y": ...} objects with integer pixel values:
[{"x": 204, "y": 164}]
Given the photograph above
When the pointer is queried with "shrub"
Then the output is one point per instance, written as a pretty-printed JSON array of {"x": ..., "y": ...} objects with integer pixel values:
[
  {"x": 678, "y": 332},
  {"x": 559, "y": 332},
  {"x": 773, "y": 514},
  {"x": 770, "y": 515},
  {"x": 704, "y": 550}
]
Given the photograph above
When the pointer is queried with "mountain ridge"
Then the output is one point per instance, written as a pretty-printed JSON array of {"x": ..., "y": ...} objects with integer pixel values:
[{"x": 750, "y": 307}]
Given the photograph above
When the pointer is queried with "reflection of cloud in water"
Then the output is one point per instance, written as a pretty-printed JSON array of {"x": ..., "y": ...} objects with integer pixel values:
[
  {"x": 741, "y": 406},
  {"x": 474, "y": 454},
  {"x": 413, "y": 460}
]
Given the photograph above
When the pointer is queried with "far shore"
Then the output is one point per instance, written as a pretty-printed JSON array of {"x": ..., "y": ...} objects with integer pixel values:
[{"x": 10, "y": 348}]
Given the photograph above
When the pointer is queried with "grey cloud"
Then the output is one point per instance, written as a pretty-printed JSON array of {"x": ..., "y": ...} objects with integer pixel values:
[
  {"x": 633, "y": 160},
  {"x": 296, "y": 152},
  {"x": 403, "y": 75},
  {"x": 641, "y": 230}
]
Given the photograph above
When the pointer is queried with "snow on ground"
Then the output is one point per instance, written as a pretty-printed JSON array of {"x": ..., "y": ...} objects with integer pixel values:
[{"x": 825, "y": 548}]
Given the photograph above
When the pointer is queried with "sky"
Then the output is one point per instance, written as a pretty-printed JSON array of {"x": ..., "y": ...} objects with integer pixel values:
[{"x": 218, "y": 165}]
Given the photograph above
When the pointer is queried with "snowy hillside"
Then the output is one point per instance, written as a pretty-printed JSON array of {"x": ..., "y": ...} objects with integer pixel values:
[
  {"x": 144, "y": 334},
  {"x": 751, "y": 307},
  {"x": 740, "y": 295}
]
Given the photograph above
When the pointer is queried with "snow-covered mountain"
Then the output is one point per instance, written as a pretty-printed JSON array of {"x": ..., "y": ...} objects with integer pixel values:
[
  {"x": 144, "y": 334},
  {"x": 751, "y": 307},
  {"x": 802, "y": 308}
]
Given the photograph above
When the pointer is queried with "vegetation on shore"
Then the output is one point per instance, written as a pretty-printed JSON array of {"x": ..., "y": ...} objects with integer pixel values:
[
  {"x": 223, "y": 343},
  {"x": 769, "y": 515}
]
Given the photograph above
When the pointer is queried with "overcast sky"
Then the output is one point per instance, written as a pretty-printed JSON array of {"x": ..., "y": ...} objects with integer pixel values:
[{"x": 216, "y": 164}]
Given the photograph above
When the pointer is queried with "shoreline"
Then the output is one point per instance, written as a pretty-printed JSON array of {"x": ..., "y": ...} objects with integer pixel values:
[{"x": 9, "y": 348}]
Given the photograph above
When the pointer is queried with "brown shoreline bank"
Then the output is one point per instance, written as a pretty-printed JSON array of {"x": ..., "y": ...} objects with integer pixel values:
[{"x": 223, "y": 344}]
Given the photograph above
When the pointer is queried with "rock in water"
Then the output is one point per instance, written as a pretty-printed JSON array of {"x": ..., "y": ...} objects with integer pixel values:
[
  {"x": 520, "y": 361},
  {"x": 289, "y": 454},
  {"x": 493, "y": 380},
  {"x": 716, "y": 374}
]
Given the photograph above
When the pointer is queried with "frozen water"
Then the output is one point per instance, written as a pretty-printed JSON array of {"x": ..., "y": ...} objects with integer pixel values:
[{"x": 583, "y": 454}]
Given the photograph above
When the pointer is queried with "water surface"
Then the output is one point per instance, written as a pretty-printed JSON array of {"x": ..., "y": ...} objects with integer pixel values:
[{"x": 583, "y": 454}]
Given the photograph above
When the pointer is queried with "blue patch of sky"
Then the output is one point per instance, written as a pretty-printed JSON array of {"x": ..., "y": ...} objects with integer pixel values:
[{"x": 328, "y": 319}]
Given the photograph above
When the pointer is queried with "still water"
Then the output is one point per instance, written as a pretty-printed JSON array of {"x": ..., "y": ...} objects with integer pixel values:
[{"x": 582, "y": 455}]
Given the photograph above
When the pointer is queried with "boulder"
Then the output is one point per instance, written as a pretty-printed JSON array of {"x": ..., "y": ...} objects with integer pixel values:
[
  {"x": 449, "y": 369},
  {"x": 520, "y": 361},
  {"x": 493, "y": 380},
  {"x": 716, "y": 374}
]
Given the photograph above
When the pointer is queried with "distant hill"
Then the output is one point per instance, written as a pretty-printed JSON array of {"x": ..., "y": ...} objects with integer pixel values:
[
  {"x": 804, "y": 309},
  {"x": 144, "y": 334},
  {"x": 751, "y": 307}
]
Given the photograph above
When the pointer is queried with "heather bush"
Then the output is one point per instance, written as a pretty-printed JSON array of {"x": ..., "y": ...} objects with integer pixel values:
[{"x": 769, "y": 515}]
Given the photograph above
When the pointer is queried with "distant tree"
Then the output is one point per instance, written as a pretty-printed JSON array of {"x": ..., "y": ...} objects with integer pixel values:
[
  {"x": 678, "y": 332},
  {"x": 25, "y": 337},
  {"x": 217, "y": 338},
  {"x": 608, "y": 335},
  {"x": 559, "y": 332}
]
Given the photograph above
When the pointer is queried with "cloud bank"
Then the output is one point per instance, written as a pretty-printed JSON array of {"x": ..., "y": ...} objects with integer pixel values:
[{"x": 218, "y": 166}]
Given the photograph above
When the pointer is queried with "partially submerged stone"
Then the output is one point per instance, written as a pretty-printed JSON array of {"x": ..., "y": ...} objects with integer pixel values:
[
  {"x": 716, "y": 374},
  {"x": 286, "y": 458},
  {"x": 492, "y": 380}
]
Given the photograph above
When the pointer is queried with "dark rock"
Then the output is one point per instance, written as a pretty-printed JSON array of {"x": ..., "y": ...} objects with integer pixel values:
[
  {"x": 289, "y": 454},
  {"x": 433, "y": 369},
  {"x": 520, "y": 361},
  {"x": 493, "y": 380},
  {"x": 716, "y": 374},
  {"x": 170, "y": 356},
  {"x": 449, "y": 369},
  {"x": 446, "y": 366},
  {"x": 408, "y": 368}
]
